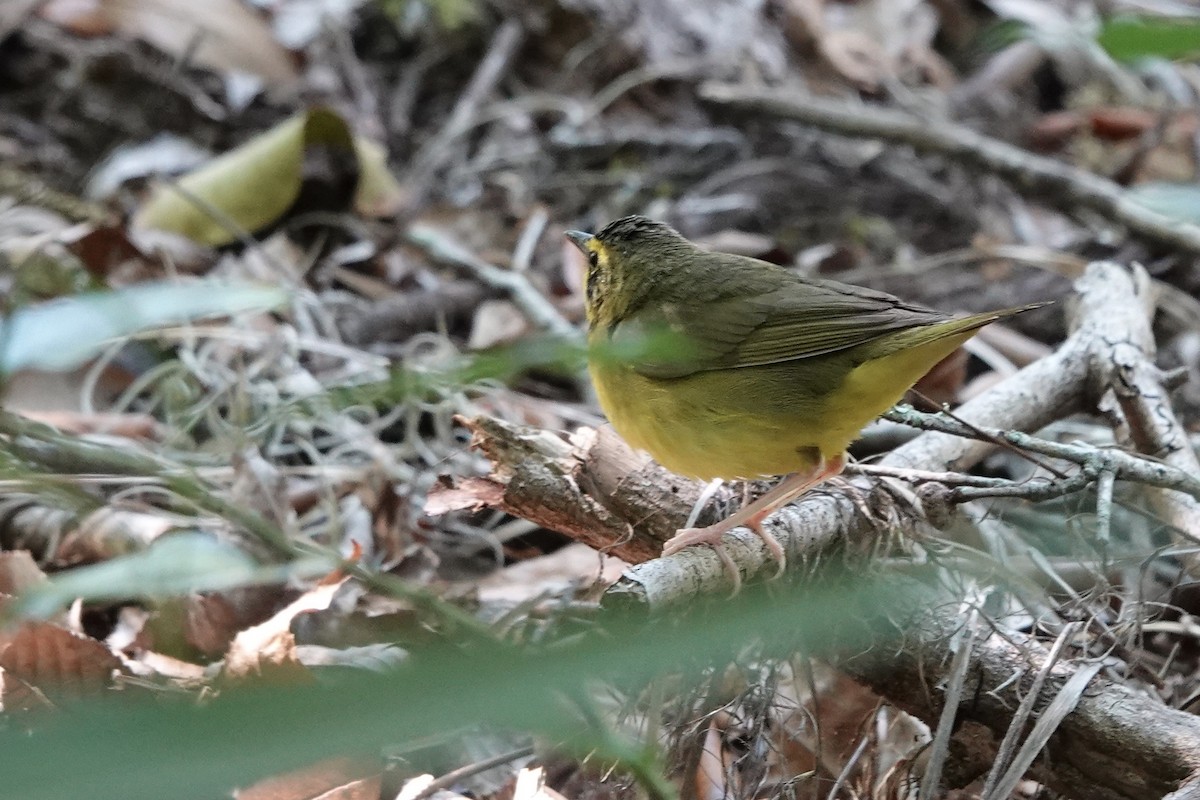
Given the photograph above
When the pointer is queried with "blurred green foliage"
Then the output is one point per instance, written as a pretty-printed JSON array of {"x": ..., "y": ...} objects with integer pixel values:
[
  {"x": 129, "y": 745},
  {"x": 62, "y": 334},
  {"x": 450, "y": 15},
  {"x": 1131, "y": 37}
]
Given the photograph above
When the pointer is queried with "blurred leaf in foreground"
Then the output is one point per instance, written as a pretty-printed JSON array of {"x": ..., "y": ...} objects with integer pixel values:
[
  {"x": 566, "y": 356},
  {"x": 175, "y": 565},
  {"x": 120, "y": 748},
  {"x": 62, "y": 334},
  {"x": 1130, "y": 38}
]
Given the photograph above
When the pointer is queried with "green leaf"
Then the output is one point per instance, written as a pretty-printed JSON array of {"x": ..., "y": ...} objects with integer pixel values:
[
  {"x": 252, "y": 186},
  {"x": 1131, "y": 38},
  {"x": 176, "y": 564},
  {"x": 126, "y": 747},
  {"x": 62, "y": 334}
]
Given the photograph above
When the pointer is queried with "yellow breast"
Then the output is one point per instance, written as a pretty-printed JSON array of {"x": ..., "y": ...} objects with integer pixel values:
[{"x": 759, "y": 421}]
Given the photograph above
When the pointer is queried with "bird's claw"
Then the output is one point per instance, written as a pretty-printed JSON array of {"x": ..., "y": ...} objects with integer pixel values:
[{"x": 712, "y": 536}]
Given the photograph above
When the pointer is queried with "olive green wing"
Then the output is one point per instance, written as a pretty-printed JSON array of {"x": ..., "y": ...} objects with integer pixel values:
[{"x": 798, "y": 319}]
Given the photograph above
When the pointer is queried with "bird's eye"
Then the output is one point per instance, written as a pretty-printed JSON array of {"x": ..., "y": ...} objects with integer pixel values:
[{"x": 593, "y": 258}]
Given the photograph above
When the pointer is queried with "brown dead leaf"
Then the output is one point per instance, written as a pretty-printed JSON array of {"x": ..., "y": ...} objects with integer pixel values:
[
  {"x": 221, "y": 35},
  {"x": 1118, "y": 123},
  {"x": 268, "y": 650},
  {"x": 812, "y": 26},
  {"x": 802, "y": 21},
  {"x": 713, "y": 767},
  {"x": 210, "y": 622},
  {"x": 80, "y": 17},
  {"x": 1108, "y": 123},
  {"x": 53, "y": 658},
  {"x": 1053, "y": 130},
  {"x": 332, "y": 779},
  {"x": 104, "y": 250},
  {"x": 942, "y": 383}
]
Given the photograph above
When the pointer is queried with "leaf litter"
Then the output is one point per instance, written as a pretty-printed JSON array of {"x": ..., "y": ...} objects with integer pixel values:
[{"x": 414, "y": 234}]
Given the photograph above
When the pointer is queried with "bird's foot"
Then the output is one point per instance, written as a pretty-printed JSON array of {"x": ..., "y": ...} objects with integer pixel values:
[{"x": 712, "y": 536}]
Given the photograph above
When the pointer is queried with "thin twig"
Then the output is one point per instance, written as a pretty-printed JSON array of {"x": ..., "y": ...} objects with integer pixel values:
[
  {"x": 532, "y": 302},
  {"x": 492, "y": 68},
  {"x": 467, "y": 770},
  {"x": 1045, "y": 178},
  {"x": 1125, "y": 466},
  {"x": 532, "y": 232},
  {"x": 1062, "y": 705},
  {"x": 503, "y": 47},
  {"x": 928, "y": 476}
]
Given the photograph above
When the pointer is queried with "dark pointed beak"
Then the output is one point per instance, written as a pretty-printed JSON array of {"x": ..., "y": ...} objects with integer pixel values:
[{"x": 579, "y": 239}]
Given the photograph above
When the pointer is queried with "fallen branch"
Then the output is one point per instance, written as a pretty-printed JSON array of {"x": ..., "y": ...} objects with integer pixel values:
[
  {"x": 540, "y": 311},
  {"x": 1112, "y": 742},
  {"x": 594, "y": 489},
  {"x": 1045, "y": 178},
  {"x": 1116, "y": 743}
]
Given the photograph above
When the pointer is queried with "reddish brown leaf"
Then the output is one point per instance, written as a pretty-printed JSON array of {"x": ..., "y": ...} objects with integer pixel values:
[
  {"x": 1118, "y": 123},
  {"x": 51, "y": 657}
]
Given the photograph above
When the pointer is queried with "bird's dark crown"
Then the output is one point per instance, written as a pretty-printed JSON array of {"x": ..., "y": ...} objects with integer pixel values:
[{"x": 633, "y": 228}]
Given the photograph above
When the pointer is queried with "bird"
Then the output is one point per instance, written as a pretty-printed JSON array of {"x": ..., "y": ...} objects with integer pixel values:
[{"x": 726, "y": 366}]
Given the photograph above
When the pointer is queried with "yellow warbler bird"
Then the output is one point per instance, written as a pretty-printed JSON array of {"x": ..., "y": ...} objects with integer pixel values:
[{"x": 723, "y": 366}]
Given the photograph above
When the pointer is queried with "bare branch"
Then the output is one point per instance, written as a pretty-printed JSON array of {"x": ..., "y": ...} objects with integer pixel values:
[
  {"x": 1102, "y": 739},
  {"x": 1034, "y": 175}
]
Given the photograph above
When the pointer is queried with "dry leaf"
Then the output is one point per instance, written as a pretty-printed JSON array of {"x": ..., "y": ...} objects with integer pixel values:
[
  {"x": 857, "y": 57},
  {"x": 531, "y": 785},
  {"x": 53, "y": 658},
  {"x": 80, "y": 17},
  {"x": 258, "y": 182},
  {"x": 221, "y": 35},
  {"x": 496, "y": 322},
  {"x": 212, "y": 620},
  {"x": 269, "y": 649}
]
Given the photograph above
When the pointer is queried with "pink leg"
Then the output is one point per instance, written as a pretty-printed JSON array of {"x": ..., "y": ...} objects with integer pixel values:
[{"x": 752, "y": 516}]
